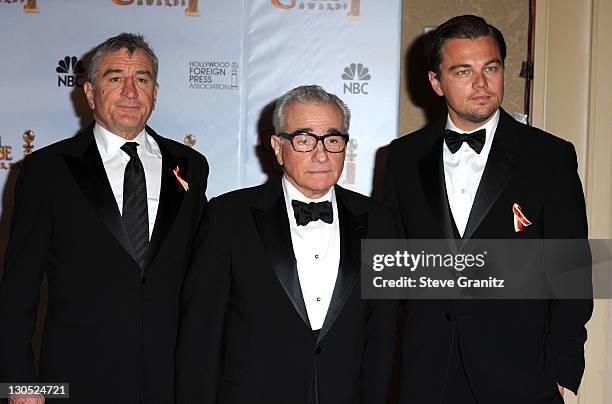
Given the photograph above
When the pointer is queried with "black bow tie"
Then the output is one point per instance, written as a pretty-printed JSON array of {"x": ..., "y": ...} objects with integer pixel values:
[
  {"x": 311, "y": 212},
  {"x": 475, "y": 140}
]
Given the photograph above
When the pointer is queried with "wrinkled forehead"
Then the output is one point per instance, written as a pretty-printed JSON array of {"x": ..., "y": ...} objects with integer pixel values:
[
  {"x": 123, "y": 59},
  {"x": 313, "y": 117}
]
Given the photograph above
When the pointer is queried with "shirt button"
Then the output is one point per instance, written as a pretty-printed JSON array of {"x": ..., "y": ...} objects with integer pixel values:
[
  {"x": 317, "y": 256},
  {"x": 463, "y": 190},
  {"x": 318, "y": 299}
]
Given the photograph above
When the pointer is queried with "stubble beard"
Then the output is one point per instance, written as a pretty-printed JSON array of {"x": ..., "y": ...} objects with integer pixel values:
[{"x": 479, "y": 115}]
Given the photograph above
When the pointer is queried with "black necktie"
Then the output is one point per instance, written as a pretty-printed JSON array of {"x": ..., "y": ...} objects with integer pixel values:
[
  {"x": 135, "y": 213},
  {"x": 475, "y": 140},
  {"x": 311, "y": 212}
]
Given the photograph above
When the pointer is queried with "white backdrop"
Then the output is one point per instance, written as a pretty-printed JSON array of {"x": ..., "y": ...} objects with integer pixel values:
[{"x": 221, "y": 63}]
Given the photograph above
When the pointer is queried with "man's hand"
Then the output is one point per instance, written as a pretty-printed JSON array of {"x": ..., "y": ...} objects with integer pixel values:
[{"x": 27, "y": 399}]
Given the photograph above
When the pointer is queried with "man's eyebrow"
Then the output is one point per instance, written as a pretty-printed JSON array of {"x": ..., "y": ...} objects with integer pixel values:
[
  {"x": 302, "y": 130},
  {"x": 467, "y": 65},
  {"x": 140, "y": 72},
  {"x": 334, "y": 131},
  {"x": 111, "y": 71},
  {"x": 145, "y": 72},
  {"x": 493, "y": 61},
  {"x": 461, "y": 66}
]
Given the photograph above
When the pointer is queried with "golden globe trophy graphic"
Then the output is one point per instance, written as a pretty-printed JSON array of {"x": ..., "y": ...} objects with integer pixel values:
[
  {"x": 350, "y": 165},
  {"x": 28, "y": 138},
  {"x": 30, "y": 6},
  {"x": 355, "y": 10},
  {"x": 192, "y": 9},
  {"x": 190, "y": 140}
]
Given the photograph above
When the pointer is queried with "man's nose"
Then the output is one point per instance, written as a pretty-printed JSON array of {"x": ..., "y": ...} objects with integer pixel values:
[
  {"x": 319, "y": 152},
  {"x": 129, "y": 89},
  {"x": 480, "y": 80}
]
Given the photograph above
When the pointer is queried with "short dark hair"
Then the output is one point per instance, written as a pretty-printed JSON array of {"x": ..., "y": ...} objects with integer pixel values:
[
  {"x": 463, "y": 26},
  {"x": 125, "y": 40}
]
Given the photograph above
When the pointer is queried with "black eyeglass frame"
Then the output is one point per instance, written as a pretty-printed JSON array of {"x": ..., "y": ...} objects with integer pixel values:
[{"x": 290, "y": 136}]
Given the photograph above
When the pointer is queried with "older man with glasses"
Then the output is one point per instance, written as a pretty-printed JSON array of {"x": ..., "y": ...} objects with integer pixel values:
[{"x": 272, "y": 311}]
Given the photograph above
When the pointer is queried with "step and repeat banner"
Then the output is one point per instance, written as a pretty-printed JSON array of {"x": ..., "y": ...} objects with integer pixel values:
[{"x": 222, "y": 63}]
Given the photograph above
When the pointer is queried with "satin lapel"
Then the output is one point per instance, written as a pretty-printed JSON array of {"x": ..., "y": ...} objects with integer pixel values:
[
  {"x": 273, "y": 227},
  {"x": 353, "y": 229},
  {"x": 88, "y": 172},
  {"x": 498, "y": 171},
  {"x": 171, "y": 196},
  {"x": 431, "y": 171}
]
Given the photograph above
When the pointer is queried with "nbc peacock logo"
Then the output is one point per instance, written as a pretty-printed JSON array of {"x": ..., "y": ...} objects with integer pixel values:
[
  {"x": 70, "y": 71},
  {"x": 356, "y": 77}
]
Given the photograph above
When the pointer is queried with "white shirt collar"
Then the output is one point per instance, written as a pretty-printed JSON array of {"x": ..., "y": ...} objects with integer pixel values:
[
  {"x": 490, "y": 127},
  {"x": 109, "y": 143}
]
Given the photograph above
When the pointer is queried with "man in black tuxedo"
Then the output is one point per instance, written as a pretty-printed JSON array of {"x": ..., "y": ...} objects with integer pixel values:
[
  {"x": 272, "y": 312},
  {"x": 479, "y": 174},
  {"x": 109, "y": 217}
]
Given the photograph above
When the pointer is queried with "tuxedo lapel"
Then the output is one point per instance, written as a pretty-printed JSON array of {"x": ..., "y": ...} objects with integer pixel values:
[
  {"x": 431, "y": 171},
  {"x": 501, "y": 163},
  {"x": 88, "y": 171},
  {"x": 170, "y": 196},
  {"x": 352, "y": 231},
  {"x": 273, "y": 225}
]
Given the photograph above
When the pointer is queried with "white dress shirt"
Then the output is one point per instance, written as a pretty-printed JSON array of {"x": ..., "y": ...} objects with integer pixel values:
[
  {"x": 463, "y": 171},
  {"x": 115, "y": 160},
  {"x": 317, "y": 251}
]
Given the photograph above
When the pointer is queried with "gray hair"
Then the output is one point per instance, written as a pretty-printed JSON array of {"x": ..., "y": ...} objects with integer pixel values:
[
  {"x": 305, "y": 95},
  {"x": 131, "y": 42}
]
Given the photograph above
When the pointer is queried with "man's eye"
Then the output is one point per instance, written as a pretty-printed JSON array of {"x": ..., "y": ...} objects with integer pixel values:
[
  {"x": 491, "y": 69},
  {"x": 463, "y": 73},
  {"x": 115, "y": 79},
  {"x": 302, "y": 140},
  {"x": 142, "y": 80}
]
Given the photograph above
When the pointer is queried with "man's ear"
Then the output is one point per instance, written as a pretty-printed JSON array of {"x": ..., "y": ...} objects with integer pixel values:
[
  {"x": 155, "y": 90},
  {"x": 435, "y": 83},
  {"x": 89, "y": 94},
  {"x": 277, "y": 145}
]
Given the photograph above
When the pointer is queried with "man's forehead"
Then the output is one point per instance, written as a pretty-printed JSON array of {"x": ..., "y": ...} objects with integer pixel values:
[
  {"x": 484, "y": 47},
  {"x": 313, "y": 117},
  {"x": 313, "y": 109},
  {"x": 123, "y": 56}
]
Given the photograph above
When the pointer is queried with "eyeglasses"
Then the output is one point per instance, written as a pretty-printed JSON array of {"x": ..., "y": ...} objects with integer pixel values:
[{"x": 305, "y": 142}]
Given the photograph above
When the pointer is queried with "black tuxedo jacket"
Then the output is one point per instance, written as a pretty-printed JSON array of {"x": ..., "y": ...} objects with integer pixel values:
[
  {"x": 511, "y": 351},
  {"x": 245, "y": 335},
  {"x": 110, "y": 330}
]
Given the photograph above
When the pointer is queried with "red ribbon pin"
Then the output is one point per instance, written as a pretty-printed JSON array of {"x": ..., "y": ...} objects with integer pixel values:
[
  {"x": 520, "y": 220},
  {"x": 182, "y": 182}
]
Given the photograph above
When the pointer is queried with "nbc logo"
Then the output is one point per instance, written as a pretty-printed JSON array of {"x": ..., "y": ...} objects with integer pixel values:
[
  {"x": 70, "y": 71},
  {"x": 356, "y": 77}
]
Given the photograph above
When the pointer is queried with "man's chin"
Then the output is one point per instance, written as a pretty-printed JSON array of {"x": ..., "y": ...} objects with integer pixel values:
[
  {"x": 481, "y": 116},
  {"x": 131, "y": 126}
]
